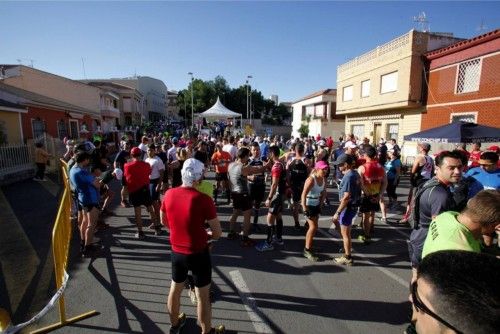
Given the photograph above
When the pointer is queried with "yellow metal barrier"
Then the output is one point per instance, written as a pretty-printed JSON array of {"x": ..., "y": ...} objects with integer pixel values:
[{"x": 61, "y": 239}]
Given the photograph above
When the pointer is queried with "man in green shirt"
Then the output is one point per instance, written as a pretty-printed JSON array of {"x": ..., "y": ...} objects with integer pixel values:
[{"x": 463, "y": 231}]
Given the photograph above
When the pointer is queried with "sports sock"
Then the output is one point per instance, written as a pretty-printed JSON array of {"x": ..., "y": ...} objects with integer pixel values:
[
  {"x": 270, "y": 232},
  {"x": 279, "y": 228}
]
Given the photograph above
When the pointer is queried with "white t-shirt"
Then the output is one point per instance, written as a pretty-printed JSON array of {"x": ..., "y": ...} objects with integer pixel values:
[
  {"x": 156, "y": 166},
  {"x": 171, "y": 154},
  {"x": 231, "y": 149}
]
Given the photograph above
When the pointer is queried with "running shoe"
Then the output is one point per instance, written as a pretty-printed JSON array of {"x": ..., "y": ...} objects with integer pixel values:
[
  {"x": 140, "y": 235},
  {"x": 232, "y": 235},
  {"x": 182, "y": 321},
  {"x": 297, "y": 226},
  {"x": 278, "y": 241},
  {"x": 344, "y": 260},
  {"x": 383, "y": 220},
  {"x": 218, "y": 330},
  {"x": 366, "y": 240},
  {"x": 264, "y": 246},
  {"x": 125, "y": 204},
  {"x": 362, "y": 238},
  {"x": 158, "y": 231},
  {"x": 247, "y": 242},
  {"x": 310, "y": 255}
]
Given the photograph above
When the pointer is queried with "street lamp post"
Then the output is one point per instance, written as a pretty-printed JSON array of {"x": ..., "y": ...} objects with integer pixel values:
[
  {"x": 248, "y": 106},
  {"x": 192, "y": 99}
]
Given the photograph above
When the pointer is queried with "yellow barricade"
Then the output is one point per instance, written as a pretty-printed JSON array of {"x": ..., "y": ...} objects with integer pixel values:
[{"x": 61, "y": 239}]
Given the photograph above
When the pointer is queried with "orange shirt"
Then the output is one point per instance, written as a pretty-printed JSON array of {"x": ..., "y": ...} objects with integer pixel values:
[
  {"x": 221, "y": 160},
  {"x": 41, "y": 156}
]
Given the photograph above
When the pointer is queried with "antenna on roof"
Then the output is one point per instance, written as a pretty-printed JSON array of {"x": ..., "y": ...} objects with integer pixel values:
[
  {"x": 83, "y": 66},
  {"x": 482, "y": 27},
  {"x": 20, "y": 61},
  {"x": 422, "y": 22}
]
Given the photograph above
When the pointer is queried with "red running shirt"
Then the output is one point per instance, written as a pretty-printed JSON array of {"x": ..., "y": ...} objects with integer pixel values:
[
  {"x": 187, "y": 210},
  {"x": 221, "y": 160},
  {"x": 373, "y": 177},
  {"x": 136, "y": 175}
]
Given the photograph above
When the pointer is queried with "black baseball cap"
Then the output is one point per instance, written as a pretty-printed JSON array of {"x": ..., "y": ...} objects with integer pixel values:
[{"x": 344, "y": 158}]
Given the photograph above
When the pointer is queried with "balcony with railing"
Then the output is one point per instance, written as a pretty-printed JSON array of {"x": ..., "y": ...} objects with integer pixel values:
[{"x": 395, "y": 47}]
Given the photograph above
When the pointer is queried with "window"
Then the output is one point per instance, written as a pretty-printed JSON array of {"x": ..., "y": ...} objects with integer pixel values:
[
  {"x": 61, "y": 129},
  {"x": 468, "y": 76},
  {"x": 463, "y": 117},
  {"x": 389, "y": 82},
  {"x": 347, "y": 93},
  {"x": 73, "y": 128},
  {"x": 365, "y": 88},
  {"x": 38, "y": 127},
  {"x": 392, "y": 131},
  {"x": 358, "y": 131},
  {"x": 115, "y": 104}
]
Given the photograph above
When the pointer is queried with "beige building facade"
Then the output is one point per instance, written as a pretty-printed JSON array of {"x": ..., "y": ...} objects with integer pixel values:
[
  {"x": 317, "y": 111},
  {"x": 55, "y": 87},
  {"x": 382, "y": 92}
]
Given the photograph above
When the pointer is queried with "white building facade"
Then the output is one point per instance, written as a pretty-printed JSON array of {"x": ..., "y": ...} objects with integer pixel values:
[{"x": 318, "y": 112}]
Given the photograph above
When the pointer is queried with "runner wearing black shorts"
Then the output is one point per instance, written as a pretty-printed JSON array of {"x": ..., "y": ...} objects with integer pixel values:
[
  {"x": 297, "y": 172},
  {"x": 256, "y": 184}
]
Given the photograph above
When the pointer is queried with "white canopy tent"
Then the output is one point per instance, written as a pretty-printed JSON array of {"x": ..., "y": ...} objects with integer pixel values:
[{"x": 218, "y": 110}]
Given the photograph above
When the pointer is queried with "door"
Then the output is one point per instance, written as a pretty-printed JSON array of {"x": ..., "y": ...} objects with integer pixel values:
[{"x": 377, "y": 133}]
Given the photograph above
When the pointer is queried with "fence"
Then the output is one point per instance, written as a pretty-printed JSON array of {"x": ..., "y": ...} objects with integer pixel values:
[
  {"x": 15, "y": 158},
  {"x": 61, "y": 241}
]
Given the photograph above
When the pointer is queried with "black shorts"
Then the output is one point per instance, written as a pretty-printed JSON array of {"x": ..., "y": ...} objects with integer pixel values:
[
  {"x": 200, "y": 265},
  {"x": 297, "y": 192},
  {"x": 89, "y": 207},
  {"x": 140, "y": 197},
  {"x": 241, "y": 201},
  {"x": 416, "y": 245},
  {"x": 369, "y": 204},
  {"x": 257, "y": 191},
  {"x": 313, "y": 211},
  {"x": 276, "y": 205},
  {"x": 221, "y": 176}
]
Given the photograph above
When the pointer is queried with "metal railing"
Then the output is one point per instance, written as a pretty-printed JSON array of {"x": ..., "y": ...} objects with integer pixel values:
[{"x": 15, "y": 157}]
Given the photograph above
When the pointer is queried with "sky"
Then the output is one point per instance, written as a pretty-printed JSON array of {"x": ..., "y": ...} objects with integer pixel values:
[{"x": 290, "y": 49}]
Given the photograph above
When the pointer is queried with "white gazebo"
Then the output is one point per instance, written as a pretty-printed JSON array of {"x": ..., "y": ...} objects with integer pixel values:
[{"x": 218, "y": 110}]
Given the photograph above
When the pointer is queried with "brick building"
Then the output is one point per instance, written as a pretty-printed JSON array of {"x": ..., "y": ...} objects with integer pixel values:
[{"x": 464, "y": 82}]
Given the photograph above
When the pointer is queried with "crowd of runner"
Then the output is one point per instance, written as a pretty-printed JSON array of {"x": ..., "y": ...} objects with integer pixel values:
[{"x": 452, "y": 204}]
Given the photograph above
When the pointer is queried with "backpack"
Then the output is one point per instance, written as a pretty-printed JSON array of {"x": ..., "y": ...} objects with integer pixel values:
[
  {"x": 414, "y": 218},
  {"x": 298, "y": 171}
]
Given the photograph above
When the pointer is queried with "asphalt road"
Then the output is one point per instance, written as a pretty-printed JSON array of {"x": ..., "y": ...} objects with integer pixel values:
[{"x": 273, "y": 292}]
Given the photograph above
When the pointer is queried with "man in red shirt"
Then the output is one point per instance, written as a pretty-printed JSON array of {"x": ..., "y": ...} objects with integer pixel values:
[
  {"x": 136, "y": 174},
  {"x": 221, "y": 159},
  {"x": 275, "y": 203},
  {"x": 373, "y": 183},
  {"x": 186, "y": 210}
]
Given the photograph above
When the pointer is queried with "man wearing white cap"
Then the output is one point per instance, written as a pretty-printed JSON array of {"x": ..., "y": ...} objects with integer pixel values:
[{"x": 186, "y": 210}]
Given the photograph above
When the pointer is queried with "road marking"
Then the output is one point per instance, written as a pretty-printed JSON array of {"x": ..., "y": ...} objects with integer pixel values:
[
  {"x": 390, "y": 274},
  {"x": 255, "y": 315},
  {"x": 15, "y": 246}
]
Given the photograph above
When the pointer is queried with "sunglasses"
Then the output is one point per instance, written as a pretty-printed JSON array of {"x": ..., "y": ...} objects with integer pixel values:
[{"x": 421, "y": 307}]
